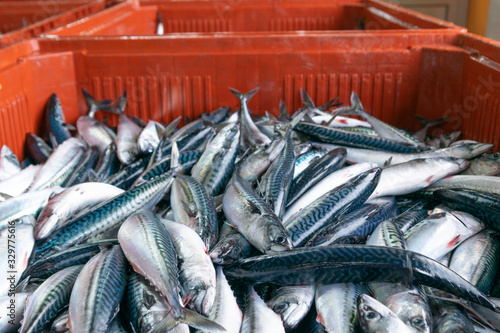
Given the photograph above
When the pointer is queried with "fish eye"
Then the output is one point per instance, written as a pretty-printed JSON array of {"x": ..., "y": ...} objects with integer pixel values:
[
  {"x": 496, "y": 155},
  {"x": 280, "y": 239},
  {"x": 418, "y": 322},
  {"x": 371, "y": 315},
  {"x": 280, "y": 307}
]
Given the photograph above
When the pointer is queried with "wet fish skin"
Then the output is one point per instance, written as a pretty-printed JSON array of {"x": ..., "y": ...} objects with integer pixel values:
[
  {"x": 197, "y": 273},
  {"x": 195, "y": 208},
  {"x": 353, "y": 263},
  {"x": 488, "y": 184},
  {"x": 7, "y": 323},
  {"x": 356, "y": 226},
  {"x": 49, "y": 299},
  {"x": 303, "y": 161},
  {"x": 253, "y": 166},
  {"x": 95, "y": 133},
  {"x": 330, "y": 162},
  {"x": 105, "y": 216},
  {"x": 452, "y": 320},
  {"x": 75, "y": 255},
  {"x": 336, "y": 305},
  {"x": 60, "y": 324},
  {"x": 382, "y": 158},
  {"x": 414, "y": 175},
  {"x": 340, "y": 200},
  {"x": 100, "y": 285},
  {"x": 410, "y": 218},
  {"x": 484, "y": 206},
  {"x": 279, "y": 177},
  {"x": 108, "y": 163},
  {"x": 55, "y": 122},
  {"x": 225, "y": 311},
  {"x": 374, "y": 317},
  {"x": 37, "y": 148},
  {"x": 149, "y": 248},
  {"x": 258, "y": 317},
  {"x": 328, "y": 183},
  {"x": 477, "y": 258},
  {"x": 292, "y": 303},
  {"x": 216, "y": 164},
  {"x": 230, "y": 248},
  {"x": 253, "y": 218},
  {"x": 65, "y": 205},
  {"x": 440, "y": 233},
  {"x": 354, "y": 139},
  {"x": 126, "y": 139},
  {"x": 87, "y": 163},
  {"x": 60, "y": 165},
  {"x": 149, "y": 139}
]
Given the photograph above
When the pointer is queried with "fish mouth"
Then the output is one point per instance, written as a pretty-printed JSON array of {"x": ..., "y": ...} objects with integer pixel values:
[{"x": 481, "y": 148}]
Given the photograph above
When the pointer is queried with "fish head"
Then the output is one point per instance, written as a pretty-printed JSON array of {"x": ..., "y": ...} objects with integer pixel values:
[
  {"x": 412, "y": 309},
  {"x": 291, "y": 309},
  {"x": 371, "y": 313},
  {"x": 452, "y": 321},
  {"x": 278, "y": 239},
  {"x": 226, "y": 252}
]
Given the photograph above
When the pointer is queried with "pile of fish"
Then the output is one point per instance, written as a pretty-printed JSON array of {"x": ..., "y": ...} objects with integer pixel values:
[{"x": 237, "y": 222}]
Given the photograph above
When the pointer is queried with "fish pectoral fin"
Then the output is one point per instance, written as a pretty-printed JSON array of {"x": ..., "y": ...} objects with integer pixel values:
[
  {"x": 191, "y": 213},
  {"x": 198, "y": 321},
  {"x": 253, "y": 208}
]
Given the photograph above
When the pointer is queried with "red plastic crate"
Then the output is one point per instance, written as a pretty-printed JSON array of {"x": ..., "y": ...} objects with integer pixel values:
[
  {"x": 140, "y": 18},
  {"x": 396, "y": 75},
  {"x": 24, "y": 19}
]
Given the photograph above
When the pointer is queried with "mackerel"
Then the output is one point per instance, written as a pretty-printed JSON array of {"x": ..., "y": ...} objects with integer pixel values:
[
  {"x": 20, "y": 182},
  {"x": 216, "y": 164},
  {"x": 55, "y": 122},
  {"x": 303, "y": 161},
  {"x": 105, "y": 216},
  {"x": 253, "y": 166},
  {"x": 414, "y": 175},
  {"x": 95, "y": 133},
  {"x": 382, "y": 158},
  {"x": 354, "y": 139},
  {"x": 340, "y": 200},
  {"x": 292, "y": 303},
  {"x": 354, "y": 263},
  {"x": 86, "y": 165},
  {"x": 75, "y": 255},
  {"x": 62, "y": 207},
  {"x": 60, "y": 165},
  {"x": 98, "y": 291},
  {"x": 253, "y": 218},
  {"x": 337, "y": 308},
  {"x": 126, "y": 139},
  {"x": 278, "y": 178},
  {"x": 316, "y": 171},
  {"x": 49, "y": 299},
  {"x": 225, "y": 311},
  {"x": 37, "y": 148},
  {"x": 375, "y": 317},
  {"x": 151, "y": 252},
  {"x": 195, "y": 208},
  {"x": 259, "y": 318},
  {"x": 333, "y": 180},
  {"x": 108, "y": 163},
  {"x": 488, "y": 184}
]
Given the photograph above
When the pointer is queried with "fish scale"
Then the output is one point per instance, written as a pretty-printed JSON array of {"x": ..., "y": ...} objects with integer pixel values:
[
  {"x": 354, "y": 263},
  {"x": 340, "y": 200},
  {"x": 98, "y": 291},
  {"x": 354, "y": 139},
  {"x": 104, "y": 216},
  {"x": 48, "y": 299}
]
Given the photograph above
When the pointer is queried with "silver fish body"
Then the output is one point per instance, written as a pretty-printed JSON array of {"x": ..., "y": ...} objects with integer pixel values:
[
  {"x": 259, "y": 318},
  {"x": 9, "y": 165},
  {"x": 16, "y": 245},
  {"x": 374, "y": 317},
  {"x": 95, "y": 133},
  {"x": 441, "y": 233},
  {"x": 414, "y": 175},
  {"x": 13, "y": 308},
  {"x": 49, "y": 299},
  {"x": 487, "y": 184},
  {"x": 65, "y": 205},
  {"x": 225, "y": 311},
  {"x": 196, "y": 273},
  {"x": 126, "y": 139},
  {"x": 195, "y": 208},
  {"x": 336, "y": 305},
  {"x": 149, "y": 138},
  {"x": 60, "y": 165},
  {"x": 100, "y": 286},
  {"x": 292, "y": 303},
  {"x": 253, "y": 218},
  {"x": 20, "y": 182}
]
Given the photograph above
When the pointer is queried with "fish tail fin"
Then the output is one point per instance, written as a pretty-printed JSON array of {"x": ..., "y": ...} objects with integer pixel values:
[
  {"x": 118, "y": 107},
  {"x": 283, "y": 110},
  {"x": 244, "y": 96},
  {"x": 356, "y": 105},
  {"x": 190, "y": 318},
  {"x": 306, "y": 100},
  {"x": 330, "y": 104},
  {"x": 91, "y": 103},
  {"x": 430, "y": 122}
]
